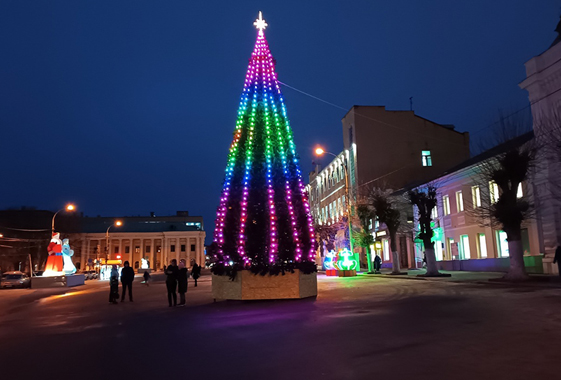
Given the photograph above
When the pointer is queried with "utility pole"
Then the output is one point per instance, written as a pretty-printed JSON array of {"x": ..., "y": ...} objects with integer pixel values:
[{"x": 410, "y": 103}]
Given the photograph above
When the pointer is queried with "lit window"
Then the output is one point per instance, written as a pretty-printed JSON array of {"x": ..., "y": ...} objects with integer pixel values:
[
  {"x": 493, "y": 191},
  {"x": 482, "y": 246},
  {"x": 446, "y": 204},
  {"x": 519, "y": 192},
  {"x": 434, "y": 213},
  {"x": 426, "y": 158},
  {"x": 502, "y": 244},
  {"x": 475, "y": 196},
  {"x": 459, "y": 201},
  {"x": 464, "y": 248}
]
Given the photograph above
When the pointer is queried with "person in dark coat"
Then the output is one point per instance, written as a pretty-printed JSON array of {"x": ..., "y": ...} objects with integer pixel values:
[
  {"x": 171, "y": 282},
  {"x": 377, "y": 264},
  {"x": 182, "y": 275},
  {"x": 557, "y": 258},
  {"x": 127, "y": 277},
  {"x": 114, "y": 285},
  {"x": 146, "y": 277},
  {"x": 195, "y": 271}
]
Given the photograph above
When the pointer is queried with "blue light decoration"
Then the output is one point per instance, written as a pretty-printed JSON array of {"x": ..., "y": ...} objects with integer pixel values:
[
  {"x": 263, "y": 217},
  {"x": 330, "y": 260}
]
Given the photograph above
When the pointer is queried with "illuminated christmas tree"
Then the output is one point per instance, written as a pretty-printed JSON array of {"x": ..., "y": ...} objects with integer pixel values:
[{"x": 263, "y": 222}]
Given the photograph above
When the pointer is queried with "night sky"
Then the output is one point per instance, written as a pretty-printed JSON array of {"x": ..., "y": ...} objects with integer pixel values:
[{"x": 127, "y": 107}]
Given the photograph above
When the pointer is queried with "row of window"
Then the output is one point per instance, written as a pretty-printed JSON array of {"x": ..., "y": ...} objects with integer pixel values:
[
  {"x": 324, "y": 183},
  {"x": 461, "y": 250},
  {"x": 475, "y": 198},
  {"x": 147, "y": 248},
  {"x": 333, "y": 211}
]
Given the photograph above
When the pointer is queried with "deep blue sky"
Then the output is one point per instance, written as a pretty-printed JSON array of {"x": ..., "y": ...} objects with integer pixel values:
[{"x": 127, "y": 107}]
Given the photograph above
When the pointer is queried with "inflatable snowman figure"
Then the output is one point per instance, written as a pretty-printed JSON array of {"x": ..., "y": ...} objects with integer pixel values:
[{"x": 67, "y": 254}]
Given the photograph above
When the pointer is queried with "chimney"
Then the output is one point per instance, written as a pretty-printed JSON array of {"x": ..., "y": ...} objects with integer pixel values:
[{"x": 152, "y": 214}]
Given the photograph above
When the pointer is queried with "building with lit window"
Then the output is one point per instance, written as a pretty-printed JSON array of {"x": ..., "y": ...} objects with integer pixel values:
[
  {"x": 393, "y": 150},
  {"x": 156, "y": 239},
  {"x": 463, "y": 241},
  {"x": 389, "y": 149}
]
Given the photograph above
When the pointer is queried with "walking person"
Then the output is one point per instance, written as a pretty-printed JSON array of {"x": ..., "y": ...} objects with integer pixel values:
[
  {"x": 171, "y": 282},
  {"x": 114, "y": 285},
  {"x": 127, "y": 277},
  {"x": 377, "y": 264},
  {"x": 182, "y": 275},
  {"x": 196, "y": 271},
  {"x": 557, "y": 258},
  {"x": 146, "y": 277}
]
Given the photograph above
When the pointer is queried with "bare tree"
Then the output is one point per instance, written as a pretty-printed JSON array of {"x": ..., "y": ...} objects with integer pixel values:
[
  {"x": 425, "y": 200},
  {"x": 500, "y": 177},
  {"x": 363, "y": 236},
  {"x": 389, "y": 211},
  {"x": 326, "y": 234}
]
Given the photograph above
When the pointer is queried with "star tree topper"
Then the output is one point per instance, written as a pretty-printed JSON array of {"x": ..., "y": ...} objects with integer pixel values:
[{"x": 260, "y": 24}]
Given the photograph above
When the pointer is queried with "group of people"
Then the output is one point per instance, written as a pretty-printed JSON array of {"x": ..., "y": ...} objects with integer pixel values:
[{"x": 176, "y": 281}]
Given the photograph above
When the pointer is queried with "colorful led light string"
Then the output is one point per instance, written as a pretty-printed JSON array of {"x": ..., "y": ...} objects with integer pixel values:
[{"x": 261, "y": 73}]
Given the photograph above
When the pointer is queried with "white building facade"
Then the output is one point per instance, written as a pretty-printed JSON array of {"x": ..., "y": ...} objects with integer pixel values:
[{"x": 543, "y": 83}]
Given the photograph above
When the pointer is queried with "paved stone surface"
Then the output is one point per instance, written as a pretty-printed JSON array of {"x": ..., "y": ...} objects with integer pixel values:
[{"x": 358, "y": 328}]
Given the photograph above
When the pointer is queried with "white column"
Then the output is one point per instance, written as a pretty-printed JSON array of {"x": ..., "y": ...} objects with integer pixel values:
[
  {"x": 201, "y": 251},
  {"x": 164, "y": 252},
  {"x": 152, "y": 251},
  {"x": 121, "y": 248},
  {"x": 83, "y": 253}
]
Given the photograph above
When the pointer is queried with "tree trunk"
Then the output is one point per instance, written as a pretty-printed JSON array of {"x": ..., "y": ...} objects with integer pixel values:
[
  {"x": 432, "y": 269},
  {"x": 396, "y": 268},
  {"x": 369, "y": 259},
  {"x": 517, "y": 270}
]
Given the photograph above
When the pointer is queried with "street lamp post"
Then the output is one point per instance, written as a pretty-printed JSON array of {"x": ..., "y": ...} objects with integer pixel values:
[
  {"x": 117, "y": 223},
  {"x": 68, "y": 207},
  {"x": 319, "y": 152}
]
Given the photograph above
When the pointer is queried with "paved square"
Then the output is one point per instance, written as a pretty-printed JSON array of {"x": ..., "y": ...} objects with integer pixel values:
[{"x": 358, "y": 328}]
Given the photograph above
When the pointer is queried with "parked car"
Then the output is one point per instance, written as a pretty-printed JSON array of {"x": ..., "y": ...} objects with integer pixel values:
[
  {"x": 89, "y": 274},
  {"x": 15, "y": 279}
]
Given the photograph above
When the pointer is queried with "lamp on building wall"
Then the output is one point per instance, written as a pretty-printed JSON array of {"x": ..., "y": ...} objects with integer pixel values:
[
  {"x": 319, "y": 152},
  {"x": 68, "y": 207},
  {"x": 117, "y": 223}
]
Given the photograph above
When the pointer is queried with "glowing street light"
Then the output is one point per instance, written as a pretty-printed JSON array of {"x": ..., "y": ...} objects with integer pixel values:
[
  {"x": 117, "y": 223},
  {"x": 319, "y": 152},
  {"x": 68, "y": 207}
]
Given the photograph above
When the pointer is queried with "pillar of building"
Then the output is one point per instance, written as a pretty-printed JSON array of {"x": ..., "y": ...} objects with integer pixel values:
[{"x": 201, "y": 251}]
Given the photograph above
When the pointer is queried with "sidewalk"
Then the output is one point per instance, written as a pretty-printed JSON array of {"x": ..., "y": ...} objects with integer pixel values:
[{"x": 486, "y": 278}]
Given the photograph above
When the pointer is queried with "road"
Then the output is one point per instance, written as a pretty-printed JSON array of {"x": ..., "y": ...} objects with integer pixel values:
[{"x": 357, "y": 328}]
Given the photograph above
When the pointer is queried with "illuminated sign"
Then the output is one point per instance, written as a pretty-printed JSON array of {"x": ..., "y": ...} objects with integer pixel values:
[{"x": 346, "y": 260}]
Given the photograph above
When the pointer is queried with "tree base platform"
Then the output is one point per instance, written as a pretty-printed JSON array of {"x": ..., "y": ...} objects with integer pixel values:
[
  {"x": 61, "y": 281},
  {"x": 248, "y": 286},
  {"x": 331, "y": 272},
  {"x": 347, "y": 273}
]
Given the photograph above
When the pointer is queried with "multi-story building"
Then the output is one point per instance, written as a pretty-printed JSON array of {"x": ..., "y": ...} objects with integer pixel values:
[
  {"x": 397, "y": 148},
  {"x": 543, "y": 83},
  {"x": 156, "y": 239},
  {"x": 390, "y": 149},
  {"x": 463, "y": 235}
]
